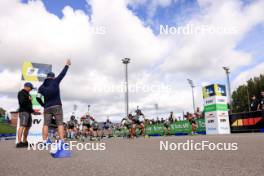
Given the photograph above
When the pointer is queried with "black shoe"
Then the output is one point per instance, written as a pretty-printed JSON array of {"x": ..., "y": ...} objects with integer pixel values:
[
  {"x": 25, "y": 144},
  {"x": 20, "y": 145}
]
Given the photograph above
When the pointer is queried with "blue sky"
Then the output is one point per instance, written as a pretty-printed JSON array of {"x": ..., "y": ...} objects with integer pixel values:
[
  {"x": 174, "y": 15},
  {"x": 56, "y": 7}
]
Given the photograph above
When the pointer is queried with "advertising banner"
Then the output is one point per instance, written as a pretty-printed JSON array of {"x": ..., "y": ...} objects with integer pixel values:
[
  {"x": 215, "y": 100},
  {"x": 214, "y": 90},
  {"x": 216, "y": 109},
  {"x": 211, "y": 125},
  {"x": 247, "y": 122},
  {"x": 36, "y": 74},
  {"x": 183, "y": 127}
]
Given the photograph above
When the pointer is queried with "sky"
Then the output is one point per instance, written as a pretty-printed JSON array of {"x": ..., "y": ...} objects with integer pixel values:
[{"x": 167, "y": 41}]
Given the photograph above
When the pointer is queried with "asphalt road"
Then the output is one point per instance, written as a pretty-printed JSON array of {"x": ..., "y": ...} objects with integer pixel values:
[{"x": 142, "y": 157}]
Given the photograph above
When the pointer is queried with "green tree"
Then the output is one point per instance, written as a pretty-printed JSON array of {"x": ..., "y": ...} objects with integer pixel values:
[
  {"x": 2, "y": 111},
  {"x": 241, "y": 96}
]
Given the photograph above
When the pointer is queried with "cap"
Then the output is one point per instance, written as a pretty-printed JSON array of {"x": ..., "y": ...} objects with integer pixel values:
[
  {"x": 50, "y": 75},
  {"x": 28, "y": 84}
]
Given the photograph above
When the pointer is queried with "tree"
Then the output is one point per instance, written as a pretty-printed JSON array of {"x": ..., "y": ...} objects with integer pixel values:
[
  {"x": 241, "y": 96},
  {"x": 2, "y": 112}
]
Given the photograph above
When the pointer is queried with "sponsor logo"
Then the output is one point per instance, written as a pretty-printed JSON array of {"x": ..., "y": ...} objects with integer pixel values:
[
  {"x": 210, "y": 121},
  {"x": 211, "y": 129},
  {"x": 221, "y": 89},
  {"x": 209, "y": 101},
  {"x": 32, "y": 71},
  {"x": 211, "y": 115},
  {"x": 221, "y": 100},
  {"x": 36, "y": 121},
  {"x": 246, "y": 122},
  {"x": 224, "y": 128},
  {"x": 224, "y": 114},
  {"x": 222, "y": 120}
]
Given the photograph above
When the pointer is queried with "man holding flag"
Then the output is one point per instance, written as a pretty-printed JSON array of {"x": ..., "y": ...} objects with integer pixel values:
[{"x": 50, "y": 90}]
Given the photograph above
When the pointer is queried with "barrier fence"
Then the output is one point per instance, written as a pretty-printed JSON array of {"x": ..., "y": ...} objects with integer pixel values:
[
  {"x": 239, "y": 122},
  {"x": 177, "y": 128}
]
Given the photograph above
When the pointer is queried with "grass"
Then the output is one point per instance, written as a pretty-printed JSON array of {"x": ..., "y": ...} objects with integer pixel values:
[{"x": 7, "y": 129}]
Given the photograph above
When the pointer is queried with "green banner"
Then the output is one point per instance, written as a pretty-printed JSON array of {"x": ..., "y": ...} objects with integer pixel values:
[
  {"x": 158, "y": 129},
  {"x": 215, "y": 107}
]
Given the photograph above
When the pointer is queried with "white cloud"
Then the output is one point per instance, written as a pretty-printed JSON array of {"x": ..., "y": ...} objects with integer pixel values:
[
  {"x": 30, "y": 32},
  {"x": 8, "y": 103},
  {"x": 244, "y": 76},
  {"x": 204, "y": 54},
  {"x": 9, "y": 81}
]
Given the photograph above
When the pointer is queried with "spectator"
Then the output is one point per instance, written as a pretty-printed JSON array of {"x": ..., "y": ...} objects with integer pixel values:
[
  {"x": 25, "y": 111},
  {"x": 172, "y": 117},
  {"x": 107, "y": 128},
  {"x": 158, "y": 121},
  {"x": 166, "y": 123},
  {"x": 254, "y": 103},
  {"x": 198, "y": 113},
  {"x": 261, "y": 103},
  {"x": 162, "y": 121}
]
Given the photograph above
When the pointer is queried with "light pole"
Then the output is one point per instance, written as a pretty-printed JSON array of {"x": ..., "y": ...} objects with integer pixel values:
[
  {"x": 74, "y": 109},
  {"x": 192, "y": 86},
  {"x": 156, "y": 108},
  {"x": 126, "y": 61},
  {"x": 227, "y": 70},
  {"x": 89, "y": 108}
]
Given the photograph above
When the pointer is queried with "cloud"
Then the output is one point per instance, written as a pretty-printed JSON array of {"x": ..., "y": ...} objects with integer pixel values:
[
  {"x": 8, "y": 103},
  {"x": 9, "y": 81},
  {"x": 97, "y": 43},
  {"x": 203, "y": 54},
  {"x": 244, "y": 76}
]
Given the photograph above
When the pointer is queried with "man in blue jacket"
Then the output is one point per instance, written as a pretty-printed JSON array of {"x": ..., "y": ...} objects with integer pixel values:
[{"x": 50, "y": 90}]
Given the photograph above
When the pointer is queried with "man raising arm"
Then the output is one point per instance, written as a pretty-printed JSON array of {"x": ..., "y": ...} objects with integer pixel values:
[{"x": 50, "y": 90}]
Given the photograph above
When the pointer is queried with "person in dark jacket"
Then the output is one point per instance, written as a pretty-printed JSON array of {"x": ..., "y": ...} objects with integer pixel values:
[
  {"x": 261, "y": 103},
  {"x": 25, "y": 111},
  {"x": 50, "y": 90},
  {"x": 254, "y": 103}
]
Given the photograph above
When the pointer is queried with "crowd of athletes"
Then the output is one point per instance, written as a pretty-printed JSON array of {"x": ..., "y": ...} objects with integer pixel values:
[{"x": 88, "y": 128}]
